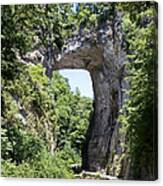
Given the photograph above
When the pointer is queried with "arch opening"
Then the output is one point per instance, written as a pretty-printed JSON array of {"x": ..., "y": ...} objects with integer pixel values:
[{"x": 79, "y": 79}]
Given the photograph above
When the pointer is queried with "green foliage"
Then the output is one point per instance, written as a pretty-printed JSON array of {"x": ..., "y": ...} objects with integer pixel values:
[
  {"x": 32, "y": 26},
  {"x": 73, "y": 121},
  {"x": 45, "y": 166},
  {"x": 87, "y": 16},
  {"x": 19, "y": 145},
  {"x": 43, "y": 122},
  {"x": 11, "y": 170},
  {"x": 139, "y": 112},
  {"x": 35, "y": 109},
  {"x": 40, "y": 113},
  {"x": 47, "y": 25}
]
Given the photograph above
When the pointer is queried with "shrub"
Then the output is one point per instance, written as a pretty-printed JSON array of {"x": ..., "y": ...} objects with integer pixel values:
[{"x": 45, "y": 166}]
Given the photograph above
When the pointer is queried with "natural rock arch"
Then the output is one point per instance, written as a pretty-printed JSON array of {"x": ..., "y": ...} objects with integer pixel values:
[
  {"x": 101, "y": 52},
  {"x": 104, "y": 59}
]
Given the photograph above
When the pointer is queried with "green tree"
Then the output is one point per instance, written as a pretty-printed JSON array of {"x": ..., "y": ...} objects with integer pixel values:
[{"x": 139, "y": 116}]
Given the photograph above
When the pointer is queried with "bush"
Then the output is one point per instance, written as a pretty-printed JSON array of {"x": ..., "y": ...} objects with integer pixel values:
[
  {"x": 12, "y": 170},
  {"x": 45, "y": 166}
]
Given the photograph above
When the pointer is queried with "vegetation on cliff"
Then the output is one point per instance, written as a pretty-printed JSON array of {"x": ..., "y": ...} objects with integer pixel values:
[{"x": 44, "y": 123}]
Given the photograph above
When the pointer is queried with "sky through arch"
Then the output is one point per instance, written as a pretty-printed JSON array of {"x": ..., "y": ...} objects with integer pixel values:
[{"x": 80, "y": 79}]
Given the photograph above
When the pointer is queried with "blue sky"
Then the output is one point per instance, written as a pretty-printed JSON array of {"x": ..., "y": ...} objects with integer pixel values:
[{"x": 80, "y": 79}]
